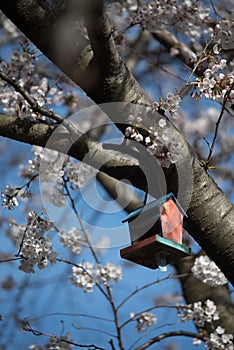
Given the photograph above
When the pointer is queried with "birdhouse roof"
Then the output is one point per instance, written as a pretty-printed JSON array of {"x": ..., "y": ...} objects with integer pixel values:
[{"x": 154, "y": 204}]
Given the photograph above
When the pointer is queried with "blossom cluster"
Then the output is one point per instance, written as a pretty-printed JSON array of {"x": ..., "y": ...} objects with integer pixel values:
[
  {"x": 158, "y": 142},
  {"x": 144, "y": 321},
  {"x": 77, "y": 173},
  {"x": 22, "y": 67},
  {"x": 9, "y": 199},
  {"x": 36, "y": 249},
  {"x": 54, "y": 169},
  {"x": 199, "y": 313},
  {"x": 171, "y": 104},
  {"x": 189, "y": 16},
  {"x": 45, "y": 162},
  {"x": 208, "y": 272},
  {"x": 71, "y": 239},
  {"x": 215, "y": 83},
  {"x": 86, "y": 275},
  {"x": 55, "y": 344},
  {"x": 219, "y": 340}
]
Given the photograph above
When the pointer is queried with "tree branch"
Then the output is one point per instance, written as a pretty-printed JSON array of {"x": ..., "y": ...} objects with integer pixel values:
[
  {"x": 170, "y": 41},
  {"x": 111, "y": 162},
  {"x": 168, "y": 335}
]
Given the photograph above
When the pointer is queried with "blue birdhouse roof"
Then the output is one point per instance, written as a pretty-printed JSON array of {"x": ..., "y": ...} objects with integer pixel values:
[{"x": 156, "y": 203}]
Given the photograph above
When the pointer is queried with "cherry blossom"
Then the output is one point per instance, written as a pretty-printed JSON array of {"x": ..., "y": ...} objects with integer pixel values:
[
  {"x": 200, "y": 313},
  {"x": 219, "y": 340},
  {"x": 55, "y": 344},
  {"x": 144, "y": 321},
  {"x": 158, "y": 141},
  {"x": 36, "y": 249},
  {"x": 86, "y": 275},
  {"x": 9, "y": 199},
  {"x": 208, "y": 272},
  {"x": 189, "y": 16},
  {"x": 71, "y": 239}
]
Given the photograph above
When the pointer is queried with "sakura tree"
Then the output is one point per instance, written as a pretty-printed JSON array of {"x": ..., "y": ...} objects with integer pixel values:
[{"x": 119, "y": 102}]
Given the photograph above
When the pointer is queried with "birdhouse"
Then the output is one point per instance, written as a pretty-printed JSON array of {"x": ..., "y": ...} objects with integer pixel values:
[{"x": 156, "y": 234}]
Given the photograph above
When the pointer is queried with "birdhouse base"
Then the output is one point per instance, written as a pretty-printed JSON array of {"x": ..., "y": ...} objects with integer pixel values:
[{"x": 145, "y": 252}]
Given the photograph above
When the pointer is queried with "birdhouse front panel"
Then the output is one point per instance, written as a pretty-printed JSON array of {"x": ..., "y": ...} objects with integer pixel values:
[{"x": 145, "y": 225}]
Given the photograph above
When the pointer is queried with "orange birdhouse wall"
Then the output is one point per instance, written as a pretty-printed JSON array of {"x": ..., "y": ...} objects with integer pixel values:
[{"x": 171, "y": 221}]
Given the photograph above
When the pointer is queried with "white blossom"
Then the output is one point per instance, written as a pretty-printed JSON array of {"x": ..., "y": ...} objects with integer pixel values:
[
  {"x": 144, "y": 321},
  {"x": 171, "y": 104},
  {"x": 71, "y": 239},
  {"x": 219, "y": 340},
  {"x": 208, "y": 272},
  {"x": 108, "y": 273},
  {"x": 21, "y": 67},
  {"x": 15, "y": 232},
  {"x": 139, "y": 137},
  {"x": 77, "y": 173},
  {"x": 82, "y": 276},
  {"x": 189, "y": 17},
  {"x": 199, "y": 312},
  {"x": 55, "y": 343},
  {"x": 36, "y": 249},
  {"x": 9, "y": 199},
  {"x": 86, "y": 275},
  {"x": 158, "y": 143},
  {"x": 215, "y": 82}
]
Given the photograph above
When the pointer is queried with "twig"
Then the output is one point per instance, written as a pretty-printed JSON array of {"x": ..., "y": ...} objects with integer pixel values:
[
  {"x": 115, "y": 312},
  {"x": 137, "y": 290},
  {"x": 26, "y": 95},
  {"x": 99, "y": 330},
  {"x": 167, "y": 335},
  {"x": 147, "y": 310},
  {"x": 79, "y": 219},
  {"x": 21, "y": 243},
  {"x": 200, "y": 60},
  {"x": 10, "y": 259},
  {"x": 81, "y": 267},
  {"x": 112, "y": 344},
  {"x": 209, "y": 158},
  {"x": 150, "y": 331},
  {"x": 73, "y": 132},
  {"x": 71, "y": 315},
  {"x": 28, "y": 328}
]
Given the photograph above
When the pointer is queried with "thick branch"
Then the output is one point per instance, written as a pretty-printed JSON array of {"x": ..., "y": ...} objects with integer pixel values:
[
  {"x": 58, "y": 138},
  {"x": 114, "y": 80},
  {"x": 170, "y": 41}
]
